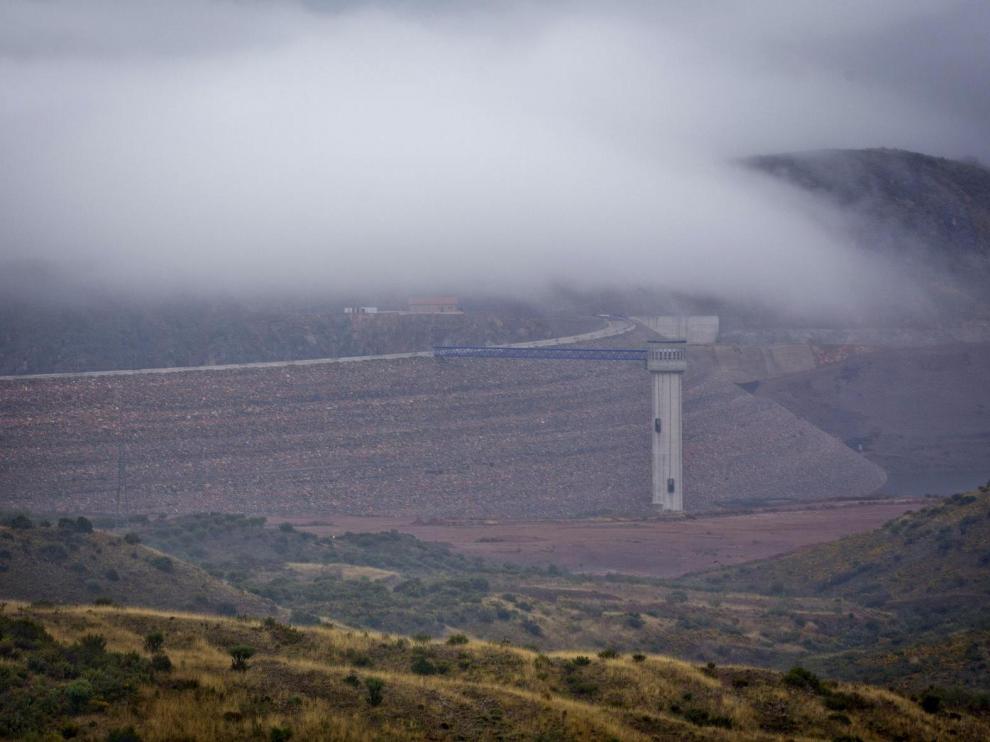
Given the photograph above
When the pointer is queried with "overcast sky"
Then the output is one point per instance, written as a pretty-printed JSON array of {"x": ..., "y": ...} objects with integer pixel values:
[{"x": 458, "y": 146}]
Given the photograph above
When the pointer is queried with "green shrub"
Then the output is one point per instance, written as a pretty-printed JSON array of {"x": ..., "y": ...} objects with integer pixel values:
[
  {"x": 581, "y": 661},
  {"x": 701, "y": 718},
  {"x": 78, "y": 694},
  {"x": 352, "y": 680},
  {"x": 280, "y": 734},
  {"x": 422, "y": 666},
  {"x": 20, "y": 522},
  {"x": 639, "y": 657},
  {"x": 161, "y": 663},
  {"x": 838, "y": 701},
  {"x": 132, "y": 538},
  {"x": 239, "y": 656},
  {"x": 457, "y": 639},
  {"x": 153, "y": 642},
  {"x": 531, "y": 627},
  {"x": 930, "y": 702},
  {"x": 634, "y": 621},
  {"x": 84, "y": 525},
  {"x": 53, "y": 552},
  {"x": 126, "y": 734},
  {"x": 798, "y": 677},
  {"x": 608, "y": 654},
  {"x": 375, "y": 686}
]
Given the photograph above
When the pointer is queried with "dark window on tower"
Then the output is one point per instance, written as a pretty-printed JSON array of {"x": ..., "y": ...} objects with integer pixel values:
[
  {"x": 670, "y": 485},
  {"x": 656, "y": 424}
]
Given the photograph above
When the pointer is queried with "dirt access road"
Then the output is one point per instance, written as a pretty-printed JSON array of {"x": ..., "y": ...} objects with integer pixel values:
[{"x": 655, "y": 548}]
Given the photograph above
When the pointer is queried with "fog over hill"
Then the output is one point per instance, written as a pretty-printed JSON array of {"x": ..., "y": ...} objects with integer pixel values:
[{"x": 320, "y": 147}]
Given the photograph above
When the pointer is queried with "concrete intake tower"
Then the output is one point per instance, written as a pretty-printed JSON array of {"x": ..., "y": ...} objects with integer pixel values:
[{"x": 666, "y": 361}]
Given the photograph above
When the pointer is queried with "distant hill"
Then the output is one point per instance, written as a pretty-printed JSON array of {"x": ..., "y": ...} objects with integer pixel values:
[
  {"x": 930, "y": 215},
  {"x": 64, "y": 564},
  {"x": 309, "y": 684},
  {"x": 54, "y": 328}
]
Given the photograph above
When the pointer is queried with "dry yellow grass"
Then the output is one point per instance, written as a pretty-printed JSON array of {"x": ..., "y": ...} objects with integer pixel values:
[
  {"x": 313, "y": 682},
  {"x": 343, "y": 571}
]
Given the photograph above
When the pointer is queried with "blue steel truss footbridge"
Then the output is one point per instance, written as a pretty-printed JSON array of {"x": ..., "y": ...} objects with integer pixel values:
[
  {"x": 568, "y": 354},
  {"x": 666, "y": 362}
]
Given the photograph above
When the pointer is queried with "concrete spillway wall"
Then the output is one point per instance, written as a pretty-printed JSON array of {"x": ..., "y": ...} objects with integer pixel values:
[{"x": 696, "y": 329}]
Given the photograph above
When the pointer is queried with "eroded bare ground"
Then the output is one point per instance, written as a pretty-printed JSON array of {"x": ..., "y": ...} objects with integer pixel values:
[{"x": 657, "y": 548}]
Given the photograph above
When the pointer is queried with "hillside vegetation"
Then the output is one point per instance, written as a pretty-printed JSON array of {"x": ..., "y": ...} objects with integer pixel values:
[
  {"x": 116, "y": 674},
  {"x": 928, "y": 571},
  {"x": 395, "y": 582},
  {"x": 69, "y": 562}
]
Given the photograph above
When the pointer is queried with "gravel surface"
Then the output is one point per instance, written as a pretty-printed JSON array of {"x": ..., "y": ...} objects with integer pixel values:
[{"x": 461, "y": 438}]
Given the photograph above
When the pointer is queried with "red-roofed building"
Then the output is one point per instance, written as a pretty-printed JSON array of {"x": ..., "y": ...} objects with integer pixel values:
[{"x": 434, "y": 304}]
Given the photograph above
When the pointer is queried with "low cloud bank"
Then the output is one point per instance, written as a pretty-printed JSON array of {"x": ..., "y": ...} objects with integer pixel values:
[{"x": 280, "y": 147}]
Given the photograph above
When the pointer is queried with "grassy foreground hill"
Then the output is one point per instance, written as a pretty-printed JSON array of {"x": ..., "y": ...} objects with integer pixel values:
[
  {"x": 84, "y": 672},
  {"x": 71, "y": 563}
]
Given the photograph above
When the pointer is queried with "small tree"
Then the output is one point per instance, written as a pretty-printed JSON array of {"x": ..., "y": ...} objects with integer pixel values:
[
  {"x": 375, "y": 687},
  {"x": 240, "y": 655},
  {"x": 84, "y": 525},
  {"x": 154, "y": 642}
]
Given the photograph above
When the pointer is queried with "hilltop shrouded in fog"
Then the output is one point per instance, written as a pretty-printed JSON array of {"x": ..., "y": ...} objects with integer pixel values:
[{"x": 220, "y": 146}]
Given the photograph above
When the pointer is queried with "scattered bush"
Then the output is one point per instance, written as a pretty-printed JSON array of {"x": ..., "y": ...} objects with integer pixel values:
[
  {"x": 639, "y": 657},
  {"x": 457, "y": 639},
  {"x": 798, "y": 677},
  {"x": 375, "y": 686},
  {"x": 930, "y": 702},
  {"x": 132, "y": 538},
  {"x": 280, "y": 734},
  {"x": 531, "y": 627},
  {"x": 701, "y": 718},
  {"x": 153, "y": 642},
  {"x": 84, "y": 525},
  {"x": 421, "y": 665},
  {"x": 608, "y": 654},
  {"x": 78, "y": 694},
  {"x": 352, "y": 680},
  {"x": 161, "y": 663},
  {"x": 20, "y": 522},
  {"x": 240, "y": 654},
  {"x": 126, "y": 734},
  {"x": 634, "y": 621},
  {"x": 163, "y": 563},
  {"x": 581, "y": 661}
]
